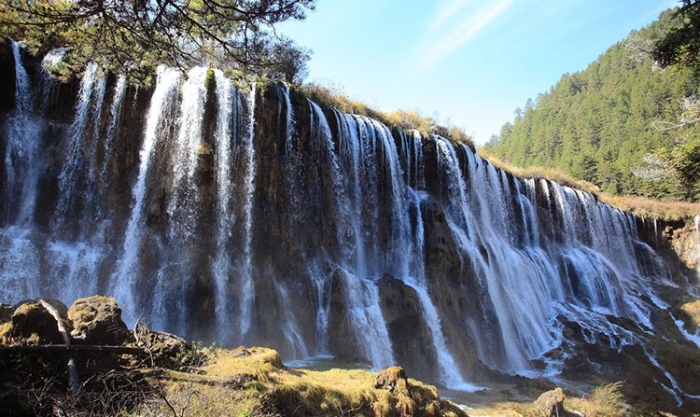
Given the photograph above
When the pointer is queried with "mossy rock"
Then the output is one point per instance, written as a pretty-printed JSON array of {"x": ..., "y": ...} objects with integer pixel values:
[
  {"x": 32, "y": 322},
  {"x": 97, "y": 321}
]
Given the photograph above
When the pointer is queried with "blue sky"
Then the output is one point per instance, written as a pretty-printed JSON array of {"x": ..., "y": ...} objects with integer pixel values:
[{"x": 470, "y": 63}]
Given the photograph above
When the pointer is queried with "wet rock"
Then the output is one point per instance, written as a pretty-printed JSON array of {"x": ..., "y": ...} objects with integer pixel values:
[
  {"x": 342, "y": 339},
  {"x": 97, "y": 321},
  {"x": 410, "y": 335}
]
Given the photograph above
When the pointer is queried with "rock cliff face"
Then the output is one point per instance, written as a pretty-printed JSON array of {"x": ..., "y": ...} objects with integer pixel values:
[{"x": 260, "y": 218}]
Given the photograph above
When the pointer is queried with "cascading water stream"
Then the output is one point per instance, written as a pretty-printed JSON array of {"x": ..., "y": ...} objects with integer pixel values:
[
  {"x": 228, "y": 108},
  {"x": 247, "y": 293},
  {"x": 115, "y": 113},
  {"x": 23, "y": 132},
  {"x": 357, "y": 150},
  {"x": 68, "y": 180},
  {"x": 127, "y": 271},
  {"x": 18, "y": 277},
  {"x": 449, "y": 373},
  {"x": 523, "y": 323},
  {"x": 100, "y": 90},
  {"x": 320, "y": 277},
  {"x": 184, "y": 198}
]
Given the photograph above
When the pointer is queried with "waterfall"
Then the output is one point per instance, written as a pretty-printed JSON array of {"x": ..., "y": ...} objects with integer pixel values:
[
  {"x": 115, "y": 113},
  {"x": 247, "y": 292},
  {"x": 125, "y": 276},
  {"x": 260, "y": 218},
  {"x": 449, "y": 373},
  {"x": 184, "y": 198},
  {"x": 224, "y": 137},
  {"x": 23, "y": 131},
  {"x": 70, "y": 196}
]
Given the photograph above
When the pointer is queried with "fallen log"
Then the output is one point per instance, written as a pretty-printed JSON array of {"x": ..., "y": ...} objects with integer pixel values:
[
  {"x": 127, "y": 350},
  {"x": 72, "y": 369}
]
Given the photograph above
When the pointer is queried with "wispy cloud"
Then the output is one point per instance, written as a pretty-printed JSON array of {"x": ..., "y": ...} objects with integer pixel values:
[
  {"x": 454, "y": 24},
  {"x": 445, "y": 11}
]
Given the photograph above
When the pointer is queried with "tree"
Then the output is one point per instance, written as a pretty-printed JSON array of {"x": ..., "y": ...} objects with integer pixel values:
[
  {"x": 134, "y": 36},
  {"x": 596, "y": 124},
  {"x": 681, "y": 45},
  {"x": 682, "y": 161}
]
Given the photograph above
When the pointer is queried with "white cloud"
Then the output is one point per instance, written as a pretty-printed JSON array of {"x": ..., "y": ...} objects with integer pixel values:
[
  {"x": 445, "y": 10},
  {"x": 446, "y": 34}
]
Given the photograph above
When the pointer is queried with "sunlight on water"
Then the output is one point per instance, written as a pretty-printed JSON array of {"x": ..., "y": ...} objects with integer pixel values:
[{"x": 342, "y": 200}]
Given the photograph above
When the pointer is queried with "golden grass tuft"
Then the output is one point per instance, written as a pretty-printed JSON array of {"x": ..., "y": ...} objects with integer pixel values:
[
  {"x": 693, "y": 310},
  {"x": 6, "y": 333},
  {"x": 604, "y": 401}
]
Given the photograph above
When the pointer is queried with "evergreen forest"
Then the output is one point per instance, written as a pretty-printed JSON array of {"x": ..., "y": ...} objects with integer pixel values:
[{"x": 618, "y": 124}]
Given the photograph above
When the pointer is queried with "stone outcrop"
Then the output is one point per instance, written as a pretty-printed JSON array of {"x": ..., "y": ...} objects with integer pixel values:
[
  {"x": 393, "y": 379},
  {"x": 94, "y": 321},
  {"x": 31, "y": 323},
  {"x": 411, "y": 400},
  {"x": 97, "y": 320},
  {"x": 550, "y": 404},
  {"x": 685, "y": 241},
  {"x": 410, "y": 334}
]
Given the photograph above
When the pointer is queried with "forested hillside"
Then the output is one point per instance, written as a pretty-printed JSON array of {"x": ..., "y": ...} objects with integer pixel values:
[{"x": 598, "y": 124}]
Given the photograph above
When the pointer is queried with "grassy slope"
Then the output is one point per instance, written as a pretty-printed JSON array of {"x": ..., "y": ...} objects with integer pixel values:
[
  {"x": 254, "y": 382},
  {"x": 247, "y": 382}
]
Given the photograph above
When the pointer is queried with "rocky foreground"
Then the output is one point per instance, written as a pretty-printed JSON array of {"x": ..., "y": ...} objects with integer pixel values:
[{"x": 83, "y": 360}]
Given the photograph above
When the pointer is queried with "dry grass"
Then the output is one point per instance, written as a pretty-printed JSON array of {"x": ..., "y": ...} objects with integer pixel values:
[
  {"x": 693, "y": 310},
  {"x": 640, "y": 206},
  {"x": 267, "y": 387},
  {"x": 253, "y": 381},
  {"x": 604, "y": 401},
  {"x": 334, "y": 97},
  {"x": 650, "y": 208}
]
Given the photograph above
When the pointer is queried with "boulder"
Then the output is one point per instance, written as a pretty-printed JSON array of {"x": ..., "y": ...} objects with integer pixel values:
[
  {"x": 32, "y": 322},
  {"x": 168, "y": 350},
  {"x": 409, "y": 400},
  {"x": 6, "y": 311},
  {"x": 550, "y": 404},
  {"x": 393, "y": 379},
  {"x": 97, "y": 321}
]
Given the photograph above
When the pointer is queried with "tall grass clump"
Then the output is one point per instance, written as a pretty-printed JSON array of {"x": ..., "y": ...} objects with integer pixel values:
[{"x": 604, "y": 401}]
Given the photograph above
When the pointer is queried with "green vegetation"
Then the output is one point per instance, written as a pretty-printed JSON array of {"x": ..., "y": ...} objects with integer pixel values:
[
  {"x": 681, "y": 44},
  {"x": 133, "y": 37},
  {"x": 598, "y": 125},
  {"x": 332, "y": 96}
]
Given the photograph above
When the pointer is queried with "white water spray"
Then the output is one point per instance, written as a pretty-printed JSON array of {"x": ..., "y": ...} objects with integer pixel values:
[
  {"x": 226, "y": 132},
  {"x": 127, "y": 271},
  {"x": 247, "y": 291}
]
